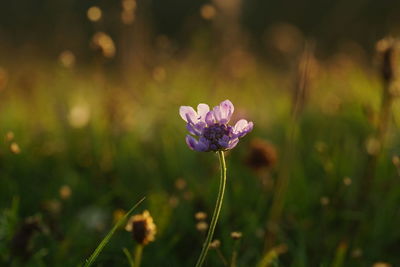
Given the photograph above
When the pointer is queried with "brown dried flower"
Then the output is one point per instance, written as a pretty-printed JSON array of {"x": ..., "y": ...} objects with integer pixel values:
[
  {"x": 215, "y": 244},
  {"x": 142, "y": 227},
  {"x": 387, "y": 49},
  {"x": 262, "y": 155},
  {"x": 202, "y": 226},
  {"x": 200, "y": 215},
  {"x": 236, "y": 235}
]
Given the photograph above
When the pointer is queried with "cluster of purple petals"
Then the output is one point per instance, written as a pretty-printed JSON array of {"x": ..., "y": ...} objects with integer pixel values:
[{"x": 211, "y": 127}]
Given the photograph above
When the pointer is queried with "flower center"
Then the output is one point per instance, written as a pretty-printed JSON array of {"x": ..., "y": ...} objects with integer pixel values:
[{"x": 214, "y": 134}]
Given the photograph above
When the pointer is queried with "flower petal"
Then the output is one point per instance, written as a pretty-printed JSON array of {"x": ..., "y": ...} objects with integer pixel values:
[
  {"x": 196, "y": 145},
  {"x": 193, "y": 129},
  {"x": 242, "y": 127},
  {"x": 202, "y": 110},
  {"x": 227, "y": 109},
  {"x": 188, "y": 114},
  {"x": 210, "y": 119},
  {"x": 191, "y": 142},
  {"x": 217, "y": 113},
  {"x": 233, "y": 143},
  {"x": 223, "y": 112},
  {"x": 203, "y": 144}
]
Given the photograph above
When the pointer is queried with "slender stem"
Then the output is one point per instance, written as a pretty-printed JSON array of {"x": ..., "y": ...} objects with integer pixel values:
[
  {"x": 234, "y": 253},
  {"x": 138, "y": 254},
  {"x": 128, "y": 257},
  {"x": 217, "y": 210},
  {"x": 221, "y": 256},
  {"x": 282, "y": 184}
]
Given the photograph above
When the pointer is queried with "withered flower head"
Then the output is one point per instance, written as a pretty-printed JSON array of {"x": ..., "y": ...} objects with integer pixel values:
[
  {"x": 142, "y": 227},
  {"x": 387, "y": 49},
  {"x": 202, "y": 226},
  {"x": 262, "y": 155},
  {"x": 236, "y": 235},
  {"x": 215, "y": 244},
  {"x": 200, "y": 215}
]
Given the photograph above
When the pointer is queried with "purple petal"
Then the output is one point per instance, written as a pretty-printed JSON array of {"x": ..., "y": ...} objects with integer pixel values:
[
  {"x": 217, "y": 113},
  {"x": 188, "y": 114},
  {"x": 203, "y": 144},
  {"x": 242, "y": 127},
  {"x": 196, "y": 145},
  {"x": 223, "y": 112},
  {"x": 233, "y": 143},
  {"x": 202, "y": 110},
  {"x": 226, "y": 109},
  {"x": 193, "y": 129},
  {"x": 210, "y": 119},
  {"x": 191, "y": 142}
]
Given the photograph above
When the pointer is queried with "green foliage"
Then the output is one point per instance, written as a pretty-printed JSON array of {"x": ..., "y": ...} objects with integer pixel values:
[{"x": 90, "y": 144}]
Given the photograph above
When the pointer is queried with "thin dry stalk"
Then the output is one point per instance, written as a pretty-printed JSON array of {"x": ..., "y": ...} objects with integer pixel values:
[
  {"x": 300, "y": 95},
  {"x": 388, "y": 51}
]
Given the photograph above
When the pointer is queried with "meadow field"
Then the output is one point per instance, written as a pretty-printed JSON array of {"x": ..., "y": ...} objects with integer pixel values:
[{"x": 86, "y": 135}]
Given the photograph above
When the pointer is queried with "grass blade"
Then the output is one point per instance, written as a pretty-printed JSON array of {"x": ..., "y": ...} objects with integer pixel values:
[
  {"x": 128, "y": 257},
  {"x": 107, "y": 238}
]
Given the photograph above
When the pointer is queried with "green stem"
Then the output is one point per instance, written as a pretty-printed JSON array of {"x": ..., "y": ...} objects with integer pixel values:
[
  {"x": 138, "y": 255},
  {"x": 217, "y": 210},
  {"x": 128, "y": 257},
  {"x": 234, "y": 254}
]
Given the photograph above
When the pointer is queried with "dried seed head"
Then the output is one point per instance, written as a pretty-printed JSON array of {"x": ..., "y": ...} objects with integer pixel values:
[
  {"x": 188, "y": 195},
  {"x": 201, "y": 226},
  {"x": 200, "y": 215},
  {"x": 173, "y": 201},
  {"x": 142, "y": 227},
  {"x": 357, "y": 253},
  {"x": 208, "y": 12},
  {"x": 14, "y": 148},
  {"x": 104, "y": 43},
  {"x": 236, "y": 235},
  {"x": 94, "y": 13},
  {"x": 387, "y": 49},
  {"x": 215, "y": 244},
  {"x": 347, "y": 181},
  {"x": 262, "y": 155},
  {"x": 118, "y": 214},
  {"x": 67, "y": 58},
  {"x": 128, "y": 11},
  {"x": 52, "y": 206},
  {"x": 65, "y": 192},
  {"x": 324, "y": 201},
  {"x": 373, "y": 146},
  {"x": 180, "y": 183}
]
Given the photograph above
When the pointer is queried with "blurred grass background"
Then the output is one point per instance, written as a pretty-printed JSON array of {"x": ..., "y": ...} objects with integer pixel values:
[{"x": 90, "y": 93}]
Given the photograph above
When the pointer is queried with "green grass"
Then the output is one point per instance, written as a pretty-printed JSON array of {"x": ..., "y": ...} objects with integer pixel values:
[{"x": 132, "y": 145}]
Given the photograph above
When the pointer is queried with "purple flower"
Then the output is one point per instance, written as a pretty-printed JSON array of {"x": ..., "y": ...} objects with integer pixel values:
[{"x": 211, "y": 126}]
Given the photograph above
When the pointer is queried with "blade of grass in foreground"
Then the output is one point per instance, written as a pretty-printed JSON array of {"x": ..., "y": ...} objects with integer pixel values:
[
  {"x": 128, "y": 257},
  {"x": 104, "y": 242}
]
